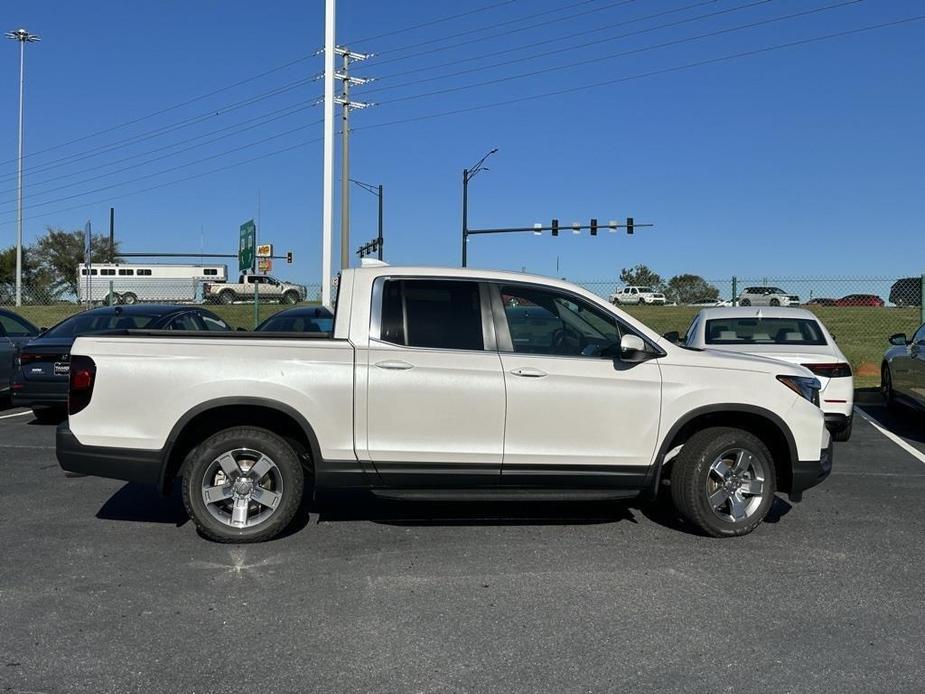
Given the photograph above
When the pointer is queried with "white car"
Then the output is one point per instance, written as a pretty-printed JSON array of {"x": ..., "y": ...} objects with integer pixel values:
[
  {"x": 767, "y": 296},
  {"x": 793, "y": 335},
  {"x": 637, "y": 295},
  {"x": 444, "y": 383}
]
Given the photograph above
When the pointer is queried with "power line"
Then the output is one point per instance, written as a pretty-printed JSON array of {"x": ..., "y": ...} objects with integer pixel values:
[
  {"x": 583, "y": 63},
  {"x": 255, "y": 123},
  {"x": 173, "y": 168},
  {"x": 432, "y": 22},
  {"x": 504, "y": 34},
  {"x": 571, "y": 48},
  {"x": 643, "y": 75}
]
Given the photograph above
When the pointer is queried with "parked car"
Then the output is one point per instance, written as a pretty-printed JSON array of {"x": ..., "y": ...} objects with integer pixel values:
[
  {"x": 15, "y": 331},
  {"x": 265, "y": 287},
  {"x": 637, "y": 295},
  {"x": 710, "y": 303},
  {"x": 902, "y": 374},
  {"x": 767, "y": 296},
  {"x": 301, "y": 319},
  {"x": 42, "y": 367},
  {"x": 907, "y": 292},
  {"x": 436, "y": 383},
  {"x": 792, "y": 335},
  {"x": 860, "y": 300},
  {"x": 821, "y": 301}
]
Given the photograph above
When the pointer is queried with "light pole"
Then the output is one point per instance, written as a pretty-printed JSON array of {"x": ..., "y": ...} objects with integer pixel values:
[
  {"x": 23, "y": 37},
  {"x": 468, "y": 175},
  {"x": 377, "y": 191}
]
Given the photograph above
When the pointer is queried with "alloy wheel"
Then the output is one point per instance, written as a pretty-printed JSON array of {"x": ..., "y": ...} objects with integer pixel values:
[
  {"x": 736, "y": 484},
  {"x": 242, "y": 488}
]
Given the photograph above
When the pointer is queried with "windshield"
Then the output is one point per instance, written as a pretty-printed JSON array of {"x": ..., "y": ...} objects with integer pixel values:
[
  {"x": 298, "y": 324},
  {"x": 764, "y": 331},
  {"x": 86, "y": 323}
]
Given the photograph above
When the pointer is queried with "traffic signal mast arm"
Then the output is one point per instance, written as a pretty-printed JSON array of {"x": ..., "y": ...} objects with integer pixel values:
[{"x": 555, "y": 227}]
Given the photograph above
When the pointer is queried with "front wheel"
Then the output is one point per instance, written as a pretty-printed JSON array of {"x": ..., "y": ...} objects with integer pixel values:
[
  {"x": 886, "y": 386},
  {"x": 290, "y": 297},
  {"x": 745, "y": 302},
  {"x": 775, "y": 302},
  {"x": 722, "y": 481},
  {"x": 129, "y": 299},
  {"x": 242, "y": 484}
]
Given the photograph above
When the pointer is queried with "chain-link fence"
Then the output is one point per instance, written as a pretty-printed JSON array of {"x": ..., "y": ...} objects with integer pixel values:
[{"x": 862, "y": 312}]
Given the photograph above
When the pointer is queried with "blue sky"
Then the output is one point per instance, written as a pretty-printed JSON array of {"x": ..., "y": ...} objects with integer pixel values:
[{"x": 805, "y": 161}]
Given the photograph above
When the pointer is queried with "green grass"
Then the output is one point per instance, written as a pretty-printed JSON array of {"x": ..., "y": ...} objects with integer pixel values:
[{"x": 861, "y": 332}]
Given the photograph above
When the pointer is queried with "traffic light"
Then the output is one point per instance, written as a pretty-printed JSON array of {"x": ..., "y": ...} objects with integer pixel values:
[
  {"x": 555, "y": 227},
  {"x": 593, "y": 227},
  {"x": 629, "y": 225},
  {"x": 289, "y": 257}
]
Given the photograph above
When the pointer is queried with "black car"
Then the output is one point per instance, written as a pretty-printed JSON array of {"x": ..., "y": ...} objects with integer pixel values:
[
  {"x": 302, "y": 319},
  {"x": 907, "y": 291},
  {"x": 40, "y": 379},
  {"x": 15, "y": 331}
]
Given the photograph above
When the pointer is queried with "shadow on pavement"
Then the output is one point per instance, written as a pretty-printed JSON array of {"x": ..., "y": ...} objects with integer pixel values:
[
  {"x": 144, "y": 504},
  {"x": 900, "y": 420}
]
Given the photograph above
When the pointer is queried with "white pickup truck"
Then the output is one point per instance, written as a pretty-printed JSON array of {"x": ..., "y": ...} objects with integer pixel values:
[
  {"x": 444, "y": 384},
  {"x": 267, "y": 289}
]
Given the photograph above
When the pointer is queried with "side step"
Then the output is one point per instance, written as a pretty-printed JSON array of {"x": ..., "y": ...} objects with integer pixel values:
[{"x": 502, "y": 494}]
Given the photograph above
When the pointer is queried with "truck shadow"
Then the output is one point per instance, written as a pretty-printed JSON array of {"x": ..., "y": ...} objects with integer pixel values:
[
  {"x": 143, "y": 504},
  {"x": 900, "y": 420}
]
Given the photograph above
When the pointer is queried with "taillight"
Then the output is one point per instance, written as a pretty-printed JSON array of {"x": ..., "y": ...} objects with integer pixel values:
[
  {"x": 835, "y": 370},
  {"x": 27, "y": 358},
  {"x": 80, "y": 383}
]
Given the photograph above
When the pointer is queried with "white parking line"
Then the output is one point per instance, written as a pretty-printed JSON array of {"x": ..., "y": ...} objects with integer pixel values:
[
  {"x": 911, "y": 450},
  {"x": 17, "y": 414}
]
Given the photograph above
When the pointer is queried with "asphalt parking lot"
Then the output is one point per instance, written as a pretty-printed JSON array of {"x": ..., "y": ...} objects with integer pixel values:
[{"x": 105, "y": 587}]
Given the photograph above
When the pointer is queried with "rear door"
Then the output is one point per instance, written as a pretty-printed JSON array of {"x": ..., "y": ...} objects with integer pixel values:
[
  {"x": 435, "y": 391},
  {"x": 576, "y": 416}
]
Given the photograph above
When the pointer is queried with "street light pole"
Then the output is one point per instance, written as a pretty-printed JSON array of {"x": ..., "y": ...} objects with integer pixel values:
[
  {"x": 23, "y": 37},
  {"x": 380, "y": 221},
  {"x": 468, "y": 175}
]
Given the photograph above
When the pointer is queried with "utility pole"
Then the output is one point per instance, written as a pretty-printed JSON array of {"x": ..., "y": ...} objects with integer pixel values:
[
  {"x": 23, "y": 37},
  {"x": 112, "y": 234},
  {"x": 346, "y": 106},
  {"x": 327, "y": 203},
  {"x": 468, "y": 175},
  {"x": 377, "y": 191}
]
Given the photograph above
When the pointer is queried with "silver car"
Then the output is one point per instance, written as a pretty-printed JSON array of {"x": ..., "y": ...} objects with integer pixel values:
[
  {"x": 902, "y": 374},
  {"x": 767, "y": 296},
  {"x": 15, "y": 331}
]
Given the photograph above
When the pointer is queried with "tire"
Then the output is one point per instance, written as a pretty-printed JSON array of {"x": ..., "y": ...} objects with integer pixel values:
[
  {"x": 223, "y": 463},
  {"x": 886, "y": 388},
  {"x": 844, "y": 433},
  {"x": 129, "y": 299},
  {"x": 696, "y": 486},
  {"x": 226, "y": 297},
  {"x": 775, "y": 302},
  {"x": 49, "y": 415},
  {"x": 289, "y": 297},
  {"x": 745, "y": 302}
]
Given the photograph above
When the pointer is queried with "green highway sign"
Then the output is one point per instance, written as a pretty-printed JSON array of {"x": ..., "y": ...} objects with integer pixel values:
[{"x": 247, "y": 247}]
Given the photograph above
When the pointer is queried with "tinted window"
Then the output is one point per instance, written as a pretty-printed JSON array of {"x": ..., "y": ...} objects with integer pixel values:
[
  {"x": 186, "y": 321},
  {"x": 547, "y": 322},
  {"x": 15, "y": 327},
  {"x": 444, "y": 314},
  {"x": 779, "y": 331},
  {"x": 299, "y": 324},
  {"x": 213, "y": 323},
  {"x": 123, "y": 271},
  {"x": 86, "y": 323}
]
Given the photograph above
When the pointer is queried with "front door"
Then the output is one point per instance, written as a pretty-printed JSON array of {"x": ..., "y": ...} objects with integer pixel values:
[
  {"x": 577, "y": 416},
  {"x": 435, "y": 398}
]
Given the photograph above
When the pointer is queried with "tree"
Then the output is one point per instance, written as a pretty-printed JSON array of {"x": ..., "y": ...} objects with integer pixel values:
[
  {"x": 685, "y": 289},
  {"x": 61, "y": 252},
  {"x": 35, "y": 282},
  {"x": 641, "y": 276}
]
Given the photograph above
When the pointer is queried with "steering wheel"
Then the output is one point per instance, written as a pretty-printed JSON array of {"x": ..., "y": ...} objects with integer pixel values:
[{"x": 561, "y": 338}]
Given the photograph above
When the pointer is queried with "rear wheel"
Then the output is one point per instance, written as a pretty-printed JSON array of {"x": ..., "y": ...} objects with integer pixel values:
[
  {"x": 843, "y": 434},
  {"x": 49, "y": 415},
  {"x": 775, "y": 302},
  {"x": 129, "y": 299},
  {"x": 227, "y": 296},
  {"x": 243, "y": 484},
  {"x": 723, "y": 481},
  {"x": 745, "y": 302}
]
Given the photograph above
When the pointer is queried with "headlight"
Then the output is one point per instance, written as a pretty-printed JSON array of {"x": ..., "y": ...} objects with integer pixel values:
[{"x": 804, "y": 386}]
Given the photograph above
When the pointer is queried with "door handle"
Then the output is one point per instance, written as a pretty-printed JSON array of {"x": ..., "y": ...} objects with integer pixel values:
[
  {"x": 528, "y": 372},
  {"x": 394, "y": 365}
]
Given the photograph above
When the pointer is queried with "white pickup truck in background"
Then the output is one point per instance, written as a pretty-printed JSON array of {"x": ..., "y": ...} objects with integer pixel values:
[
  {"x": 265, "y": 287},
  {"x": 638, "y": 295},
  {"x": 444, "y": 384}
]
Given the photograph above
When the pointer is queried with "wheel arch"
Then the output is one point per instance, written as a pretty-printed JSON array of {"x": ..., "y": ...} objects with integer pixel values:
[
  {"x": 764, "y": 424},
  {"x": 215, "y": 415}
]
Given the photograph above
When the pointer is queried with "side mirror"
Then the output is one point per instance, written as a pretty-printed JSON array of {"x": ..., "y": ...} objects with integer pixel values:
[
  {"x": 673, "y": 336},
  {"x": 899, "y": 339},
  {"x": 633, "y": 349}
]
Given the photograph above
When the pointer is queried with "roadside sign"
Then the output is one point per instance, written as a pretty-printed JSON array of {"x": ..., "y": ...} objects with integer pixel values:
[
  {"x": 265, "y": 250},
  {"x": 264, "y": 265},
  {"x": 246, "y": 247}
]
